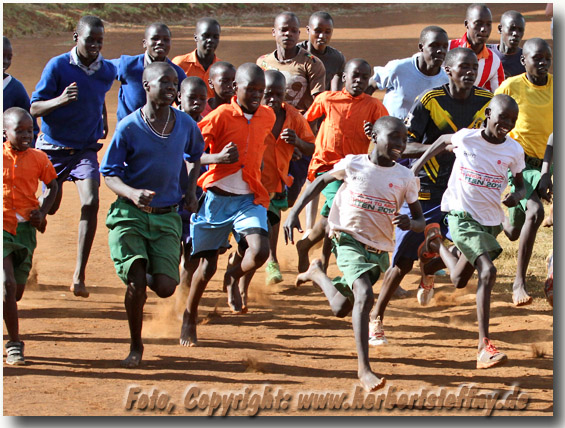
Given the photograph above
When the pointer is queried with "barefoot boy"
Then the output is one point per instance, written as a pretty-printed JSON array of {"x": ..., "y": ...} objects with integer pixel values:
[
  {"x": 235, "y": 197},
  {"x": 222, "y": 75},
  {"x": 197, "y": 63},
  {"x": 70, "y": 100},
  {"x": 362, "y": 221},
  {"x": 142, "y": 166},
  {"x": 472, "y": 201},
  {"x": 157, "y": 44},
  {"x": 511, "y": 28},
  {"x": 533, "y": 91},
  {"x": 24, "y": 167}
]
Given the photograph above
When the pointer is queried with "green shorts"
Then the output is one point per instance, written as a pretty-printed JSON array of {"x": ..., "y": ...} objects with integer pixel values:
[
  {"x": 472, "y": 238},
  {"x": 21, "y": 247},
  {"x": 329, "y": 192},
  {"x": 279, "y": 203},
  {"x": 135, "y": 234},
  {"x": 353, "y": 260}
]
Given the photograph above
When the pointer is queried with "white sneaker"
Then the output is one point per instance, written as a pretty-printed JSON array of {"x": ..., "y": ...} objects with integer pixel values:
[
  {"x": 426, "y": 290},
  {"x": 376, "y": 333}
]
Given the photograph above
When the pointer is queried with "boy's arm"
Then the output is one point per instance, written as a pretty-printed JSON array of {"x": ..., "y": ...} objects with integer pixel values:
[
  {"x": 512, "y": 199},
  {"x": 416, "y": 224},
  {"x": 545, "y": 188},
  {"x": 441, "y": 144},
  {"x": 290, "y": 137},
  {"x": 292, "y": 222},
  {"x": 140, "y": 197},
  {"x": 229, "y": 154},
  {"x": 42, "y": 108},
  {"x": 336, "y": 83},
  {"x": 37, "y": 217},
  {"x": 190, "y": 201},
  {"x": 105, "y": 119}
]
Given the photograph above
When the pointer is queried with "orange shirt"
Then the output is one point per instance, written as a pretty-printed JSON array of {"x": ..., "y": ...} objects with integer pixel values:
[
  {"x": 341, "y": 132},
  {"x": 22, "y": 172},
  {"x": 192, "y": 67},
  {"x": 278, "y": 153},
  {"x": 227, "y": 123}
]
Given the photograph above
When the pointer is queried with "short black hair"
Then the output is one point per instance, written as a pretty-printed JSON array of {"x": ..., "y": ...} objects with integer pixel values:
[
  {"x": 152, "y": 68},
  {"x": 7, "y": 42},
  {"x": 288, "y": 13},
  {"x": 453, "y": 54},
  {"x": 248, "y": 71},
  {"x": 512, "y": 14},
  {"x": 503, "y": 99},
  {"x": 385, "y": 122},
  {"x": 158, "y": 25},
  {"x": 13, "y": 112},
  {"x": 322, "y": 15},
  {"x": 193, "y": 81},
  {"x": 275, "y": 76},
  {"x": 481, "y": 6},
  {"x": 209, "y": 21},
  {"x": 220, "y": 65},
  {"x": 88, "y": 21},
  {"x": 534, "y": 41},
  {"x": 429, "y": 30},
  {"x": 351, "y": 61}
]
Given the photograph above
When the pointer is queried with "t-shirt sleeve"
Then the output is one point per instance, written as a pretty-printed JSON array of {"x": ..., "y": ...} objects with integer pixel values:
[
  {"x": 114, "y": 161},
  {"x": 381, "y": 77},
  {"x": 207, "y": 127},
  {"x": 317, "y": 77},
  {"x": 194, "y": 144},
  {"x": 47, "y": 88},
  {"x": 48, "y": 173},
  {"x": 316, "y": 110},
  {"x": 339, "y": 169},
  {"x": 116, "y": 62},
  {"x": 518, "y": 163},
  {"x": 412, "y": 190},
  {"x": 417, "y": 121}
]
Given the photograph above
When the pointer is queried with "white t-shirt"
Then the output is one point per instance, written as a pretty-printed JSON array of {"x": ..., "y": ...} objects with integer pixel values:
[
  {"x": 368, "y": 199},
  {"x": 480, "y": 175}
]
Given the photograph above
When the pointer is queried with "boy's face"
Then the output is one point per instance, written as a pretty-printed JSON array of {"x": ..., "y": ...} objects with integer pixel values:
[
  {"x": 274, "y": 94},
  {"x": 463, "y": 72},
  {"x": 162, "y": 88},
  {"x": 356, "y": 78},
  {"x": 207, "y": 38},
  {"x": 502, "y": 117},
  {"x": 249, "y": 93},
  {"x": 434, "y": 48},
  {"x": 391, "y": 141},
  {"x": 320, "y": 32},
  {"x": 511, "y": 31},
  {"x": 7, "y": 56},
  {"x": 157, "y": 42},
  {"x": 537, "y": 60},
  {"x": 18, "y": 130},
  {"x": 286, "y": 31},
  {"x": 193, "y": 99},
  {"x": 222, "y": 83},
  {"x": 479, "y": 26},
  {"x": 89, "y": 42}
]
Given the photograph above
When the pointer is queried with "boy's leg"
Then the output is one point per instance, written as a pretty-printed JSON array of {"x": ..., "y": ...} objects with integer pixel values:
[
  {"x": 487, "y": 277},
  {"x": 10, "y": 301},
  {"x": 88, "y": 193},
  {"x": 203, "y": 274},
  {"x": 304, "y": 245},
  {"x": 134, "y": 301},
  {"x": 311, "y": 213},
  {"x": 391, "y": 281},
  {"x": 460, "y": 270}
]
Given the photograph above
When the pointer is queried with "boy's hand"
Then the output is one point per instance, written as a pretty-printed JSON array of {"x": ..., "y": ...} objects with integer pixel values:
[
  {"x": 190, "y": 202},
  {"x": 229, "y": 153},
  {"x": 292, "y": 222},
  {"x": 289, "y": 136},
  {"x": 37, "y": 220},
  {"x": 545, "y": 187},
  {"x": 511, "y": 200},
  {"x": 296, "y": 154},
  {"x": 402, "y": 221},
  {"x": 368, "y": 128},
  {"x": 142, "y": 197},
  {"x": 69, "y": 95}
]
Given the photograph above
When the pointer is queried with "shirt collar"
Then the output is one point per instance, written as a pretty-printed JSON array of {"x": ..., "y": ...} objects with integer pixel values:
[
  {"x": 7, "y": 81},
  {"x": 92, "y": 68},
  {"x": 239, "y": 112},
  {"x": 484, "y": 54}
]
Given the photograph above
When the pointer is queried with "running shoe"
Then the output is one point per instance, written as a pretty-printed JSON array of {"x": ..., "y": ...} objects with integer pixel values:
[
  {"x": 15, "y": 353},
  {"x": 489, "y": 356},
  {"x": 426, "y": 289},
  {"x": 274, "y": 275},
  {"x": 376, "y": 333}
]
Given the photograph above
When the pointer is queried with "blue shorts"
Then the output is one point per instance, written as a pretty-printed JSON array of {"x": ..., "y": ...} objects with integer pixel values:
[
  {"x": 219, "y": 215},
  {"x": 299, "y": 171},
  {"x": 407, "y": 242},
  {"x": 185, "y": 216},
  {"x": 72, "y": 165}
]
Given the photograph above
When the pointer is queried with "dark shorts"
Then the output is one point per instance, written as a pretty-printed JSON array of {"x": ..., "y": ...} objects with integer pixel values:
[
  {"x": 21, "y": 247},
  {"x": 407, "y": 241},
  {"x": 279, "y": 203},
  {"x": 72, "y": 165},
  {"x": 299, "y": 171}
]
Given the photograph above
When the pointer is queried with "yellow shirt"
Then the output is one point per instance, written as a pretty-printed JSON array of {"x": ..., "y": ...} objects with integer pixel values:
[{"x": 535, "y": 120}]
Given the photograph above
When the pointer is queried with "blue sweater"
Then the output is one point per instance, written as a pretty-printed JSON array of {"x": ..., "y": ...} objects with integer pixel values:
[
  {"x": 143, "y": 160},
  {"x": 130, "y": 73},
  {"x": 15, "y": 95},
  {"x": 79, "y": 124}
]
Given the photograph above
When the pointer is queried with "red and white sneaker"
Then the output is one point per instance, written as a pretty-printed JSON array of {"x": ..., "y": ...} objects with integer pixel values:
[
  {"x": 376, "y": 333},
  {"x": 426, "y": 289},
  {"x": 489, "y": 356}
]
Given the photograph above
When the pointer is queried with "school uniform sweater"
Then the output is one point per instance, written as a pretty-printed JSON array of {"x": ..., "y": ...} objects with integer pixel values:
[{"x": 15, "y": 95}]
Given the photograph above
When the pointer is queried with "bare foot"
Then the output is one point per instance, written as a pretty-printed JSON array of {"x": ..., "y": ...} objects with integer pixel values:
[
  {"x": 302, "y": 250},
  {"x": 520, "y": 296},
  {"x": 371, "y": 382},
  {"x": 244, "y": 309},
  {"x": 187, "y": 331},
  {"x": 315, "y": 267},
  {"x": 79, "y": 289},
  {"x": 133, "y": 359},
  {"x": 400, "y": 293},
  {"x": 234, "y": 297},
  {"x": 230, "y": 264}
]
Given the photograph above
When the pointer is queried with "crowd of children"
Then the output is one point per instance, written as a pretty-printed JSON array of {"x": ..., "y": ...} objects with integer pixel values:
[{"x": 205, "y": 151}]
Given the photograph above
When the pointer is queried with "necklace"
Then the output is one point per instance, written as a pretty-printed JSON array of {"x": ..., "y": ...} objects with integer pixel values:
[{"x": 162, "y": 134}]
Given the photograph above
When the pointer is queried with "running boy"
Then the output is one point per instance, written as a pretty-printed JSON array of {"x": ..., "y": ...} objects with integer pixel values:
[
  {"x": 340, "y": 134},
  {"x": 157, "y": 44},
  {"x": 362, "y": 221},
  {"x": 24, "y": 167},
  {"x": 472, "y": 201},
  {"x": 222, "y": 76},
  {"x": 533, "y": 91},
  {"x": 142, "y": 166},
  {"x": 235, "y": 197},
  {"x": 197, "y": 63},
  {"x": 511, "y": 28},
  {"x": 478, "y": 21},
  {"x": 70, "y": 100}
]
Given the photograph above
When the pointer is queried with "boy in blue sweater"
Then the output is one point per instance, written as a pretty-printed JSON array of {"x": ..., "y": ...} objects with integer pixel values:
[
  {"x": 70, "y": 100},
  {"x": 157, "y": 44},
  {"x": 143, "y": 167}
]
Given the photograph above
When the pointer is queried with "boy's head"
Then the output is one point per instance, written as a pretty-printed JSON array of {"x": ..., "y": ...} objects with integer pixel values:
[
  {"x": 160, "y": 81},
  {"x": 433, "y": 44},
  {"x": 320, "y": 29},
  {"x": 222, "y": 76},
  {"x": 18, "y": 128},
  {"x": 157, "y": 41},
  {"x": 275, "y": 89},
  {"x": 478, "y": 22},
  {"x": 511, "y": 28},
  {"x": 7, "y": 54},
  {"x": 193, "y": 95},
  {"x": 389, "y": 136},
  {"x": 536, "y": 57},
  {"x": 356, "y": 76},
  {"x": 286, "y": 30},
  {"x": 207, "y": 36},
  {"x": 89, "y": 37},
  {"x": 249, "y": 86},
  {"x": 501, "y": 116},
  {"x": 461, "y": 65}
]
